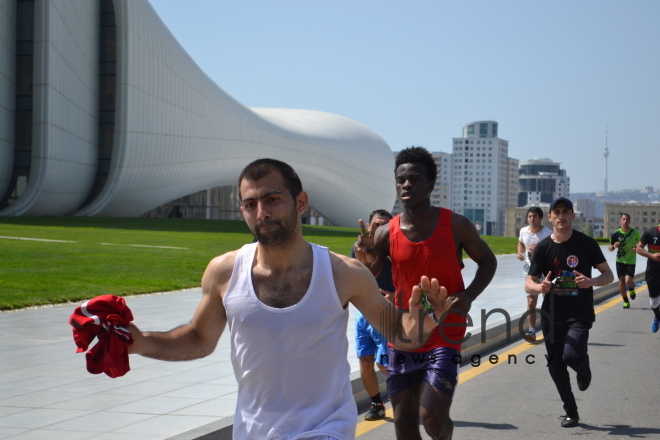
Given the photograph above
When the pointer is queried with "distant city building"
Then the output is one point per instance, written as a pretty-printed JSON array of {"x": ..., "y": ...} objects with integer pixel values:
[
  {"x": 542, "y": 181},
  {"x": 606, "y": 154},
  {"x": 586, "y": 206},
  {"x": 599, "y": 224},
  {"x": 643, "y": 216},
  {"x": 481, "y": 176},
  {"x": 512, "y": 183},
  {"x": 441, "y": 195}
]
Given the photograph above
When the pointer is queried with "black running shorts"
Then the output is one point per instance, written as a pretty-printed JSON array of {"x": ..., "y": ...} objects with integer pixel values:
[
  {"x": 653, "y": 283},
  {"x": 623, "y": 269}
]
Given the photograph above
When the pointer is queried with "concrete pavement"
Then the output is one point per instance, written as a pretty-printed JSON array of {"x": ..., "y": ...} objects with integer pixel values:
[{"x": 520, "y": 401}]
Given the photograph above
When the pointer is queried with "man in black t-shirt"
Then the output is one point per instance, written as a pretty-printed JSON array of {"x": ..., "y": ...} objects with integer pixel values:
[
  {"x": 651, "y": 237},
  {"x": 566, "y": 259}
]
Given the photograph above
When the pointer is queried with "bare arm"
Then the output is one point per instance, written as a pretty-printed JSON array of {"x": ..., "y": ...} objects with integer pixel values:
[
  {"x": 356, "y": 284},
  {"x": 605, "y": 277},
  {"x": 198, "y": 338},
  {"x": 466, "y": 237},
  {"x": 533, "y": 287},
  {"x": 644, "y": 253},
  {"x": 521, "y": 251},
  {"x": 613, "y": 244},
  {"x": 378, "y": 246}
]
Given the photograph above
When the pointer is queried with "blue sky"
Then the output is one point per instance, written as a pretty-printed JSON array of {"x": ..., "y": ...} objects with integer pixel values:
[{"x": 553, "y": 74}]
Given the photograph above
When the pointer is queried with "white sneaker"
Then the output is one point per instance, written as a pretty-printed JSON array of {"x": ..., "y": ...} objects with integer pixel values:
[{"x": 531, "y": 335}]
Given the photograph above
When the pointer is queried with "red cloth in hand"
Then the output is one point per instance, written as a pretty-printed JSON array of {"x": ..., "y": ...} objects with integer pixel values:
[{"x": 106, "y": 317}]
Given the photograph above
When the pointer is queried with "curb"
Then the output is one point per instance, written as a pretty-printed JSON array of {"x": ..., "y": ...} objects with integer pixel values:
[{"x": 496, "y": 336}]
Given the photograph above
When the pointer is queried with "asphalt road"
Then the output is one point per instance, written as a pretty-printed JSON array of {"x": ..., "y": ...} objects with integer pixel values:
[{"x": 520, "y": 401}]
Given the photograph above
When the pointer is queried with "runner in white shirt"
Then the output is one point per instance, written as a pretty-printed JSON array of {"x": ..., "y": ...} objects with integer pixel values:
[{"x": 530, "y": 236}]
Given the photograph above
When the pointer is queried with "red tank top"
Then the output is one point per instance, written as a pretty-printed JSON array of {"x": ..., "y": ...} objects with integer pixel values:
[{"x": 434, "y": 257}]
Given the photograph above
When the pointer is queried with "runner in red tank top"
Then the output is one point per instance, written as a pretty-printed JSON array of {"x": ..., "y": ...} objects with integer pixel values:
[
  {"x": 427, "y": 260},
  {"x": 425, "y": 240}
]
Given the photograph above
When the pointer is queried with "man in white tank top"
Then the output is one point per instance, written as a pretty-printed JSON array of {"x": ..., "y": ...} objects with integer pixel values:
[{"x": 285, "y": 301}]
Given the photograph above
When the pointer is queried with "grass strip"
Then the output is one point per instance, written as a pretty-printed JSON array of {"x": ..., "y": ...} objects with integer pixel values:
[{"x": 80, "y": 267}]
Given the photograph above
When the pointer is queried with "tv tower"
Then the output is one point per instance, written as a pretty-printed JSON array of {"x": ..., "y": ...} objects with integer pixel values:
[{"x": 606, "y": 153}]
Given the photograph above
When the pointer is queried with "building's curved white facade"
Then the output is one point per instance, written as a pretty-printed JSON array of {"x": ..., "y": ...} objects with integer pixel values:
[{"x": 175, "y": 131}]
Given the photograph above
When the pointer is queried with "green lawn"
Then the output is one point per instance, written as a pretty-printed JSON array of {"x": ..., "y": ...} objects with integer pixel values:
[{"x": 38, "y": 272}]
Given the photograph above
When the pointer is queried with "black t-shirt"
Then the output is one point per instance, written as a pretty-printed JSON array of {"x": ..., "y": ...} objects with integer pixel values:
[
  {"x": 580, "y": 253},
  {"x": 651, "y": 237}
]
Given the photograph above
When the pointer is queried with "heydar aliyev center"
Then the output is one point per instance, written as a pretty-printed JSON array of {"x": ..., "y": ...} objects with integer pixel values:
[{"x": 103, "y": 113}]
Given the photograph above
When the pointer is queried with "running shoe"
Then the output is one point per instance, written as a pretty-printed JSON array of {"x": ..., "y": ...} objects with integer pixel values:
[
  {"x": 632, "y": 294},
  {"x": 531, "y": 335},
  {"x": 584, "y": 381},
  {"x": 655, "y": 325},
  {"x": 569, "y": 422},
  {"x": 626, "y": 305},
  {"x": 377, "y": 412}
]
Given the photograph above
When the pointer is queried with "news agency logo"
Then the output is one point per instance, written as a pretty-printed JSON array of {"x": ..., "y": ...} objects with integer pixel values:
[{"x": 391, "y": 322}]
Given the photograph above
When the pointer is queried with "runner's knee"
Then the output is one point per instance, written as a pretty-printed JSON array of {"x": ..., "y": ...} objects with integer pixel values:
[
  {"x": 655, "y": 302},
  {"x": 437, "y": 426}
]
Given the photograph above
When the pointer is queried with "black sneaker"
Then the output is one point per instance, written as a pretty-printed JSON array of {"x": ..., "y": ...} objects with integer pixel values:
[
  {"x": 569, "y": 422},
  {"x": 583, "y": 382},
  {"x": 632, "y": 294},
  {"x": 377, "y": 412}
]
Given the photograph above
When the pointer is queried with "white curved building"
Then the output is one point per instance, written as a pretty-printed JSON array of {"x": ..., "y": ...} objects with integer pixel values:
[{"x": 103, "y": 113}]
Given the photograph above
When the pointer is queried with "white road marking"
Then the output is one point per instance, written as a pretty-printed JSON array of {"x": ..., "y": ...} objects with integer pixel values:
[
  {"x": 107, "y": 244},
  {"x": 38, "y": 239},
  {"x": 144, "y": 245}
]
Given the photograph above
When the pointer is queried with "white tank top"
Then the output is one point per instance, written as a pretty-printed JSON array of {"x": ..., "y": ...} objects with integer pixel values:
[{"x": 290, "y": 364}]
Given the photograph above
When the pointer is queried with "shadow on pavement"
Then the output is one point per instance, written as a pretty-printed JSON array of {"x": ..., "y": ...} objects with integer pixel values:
[
  {"x": 622, "y": 430},
  {"x": 498, "y": 426}
]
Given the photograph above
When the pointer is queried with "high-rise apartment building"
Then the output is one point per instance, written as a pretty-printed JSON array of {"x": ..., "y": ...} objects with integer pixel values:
[
  {"x": 482, "y": 172},
  {"x": 512, "y": 186},
  {"x": 542, "y": 181}
]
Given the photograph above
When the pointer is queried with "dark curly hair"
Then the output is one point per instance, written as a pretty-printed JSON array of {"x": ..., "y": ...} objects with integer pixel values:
[
  {"x": 536, "y": 210},
  {"x": 418, "y": 155},
  {"x": 263, "y": 167},
  {"x": 381, "y": 213}
]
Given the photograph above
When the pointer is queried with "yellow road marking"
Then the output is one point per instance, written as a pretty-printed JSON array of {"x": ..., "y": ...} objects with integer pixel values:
[{"x": 367, "y": 426}]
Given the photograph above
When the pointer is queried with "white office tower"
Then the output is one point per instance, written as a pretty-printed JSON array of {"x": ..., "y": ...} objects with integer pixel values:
[
  {"x": 542, "y": 181},
  {"x": 481, "y": 172},
  {"x": 441, "y": 195}
]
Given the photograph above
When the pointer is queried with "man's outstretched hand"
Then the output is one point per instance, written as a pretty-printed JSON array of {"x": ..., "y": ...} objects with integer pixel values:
[
  {"x": 365, "y": 243},
  {"x": 436, "y": 295}
]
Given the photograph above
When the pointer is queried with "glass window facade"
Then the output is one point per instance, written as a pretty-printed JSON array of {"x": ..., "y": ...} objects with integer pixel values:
[
  {"x": 107, "y": 96},
  {"x": 23, "y": 102}
]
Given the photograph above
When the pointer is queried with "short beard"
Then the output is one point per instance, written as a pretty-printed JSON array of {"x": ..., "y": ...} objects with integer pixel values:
[{"x": 280, "y": 235}]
